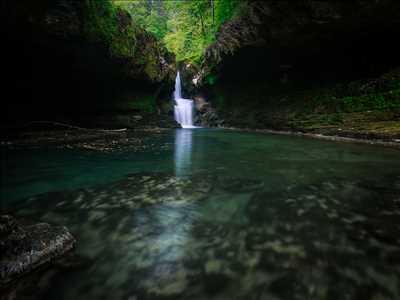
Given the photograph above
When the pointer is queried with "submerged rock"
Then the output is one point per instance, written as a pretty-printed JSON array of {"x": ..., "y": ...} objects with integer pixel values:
[
  {"x": 241, "y": 185},
  {"x": 158, "y": 236},
  {"x": 26, "y": 248}
]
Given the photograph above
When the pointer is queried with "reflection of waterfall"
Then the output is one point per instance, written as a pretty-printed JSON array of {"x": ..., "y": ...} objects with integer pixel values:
[
  {"x": 183, "y": 108},
  {"x": 183, "y": 152}
]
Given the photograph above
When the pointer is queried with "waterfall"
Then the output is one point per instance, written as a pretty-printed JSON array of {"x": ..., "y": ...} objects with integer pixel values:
[
  {"x": 183, "y": 108},
  {"x": 177, "y": 92}
]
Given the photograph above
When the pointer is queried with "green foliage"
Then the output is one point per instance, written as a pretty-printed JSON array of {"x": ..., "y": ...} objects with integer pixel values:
[
  {"x": 379, "y": 101},
  {"x": 147, "y": 14},
  {"x": 368, "y": 105},
  {"x": 211, "y": 79},
  {"x": 224, "y": 11},
  {"x": 156, "y": 25},
  {"x": 113, "y": 26},
  {"x": 100, "y": 20},
  {"x": 140, "y": 101},
  {"x": 123, "y": 42},
  {"x": 108, "y": 24},
  {"x": 145, "y": 104},
  {"x": 381, "y": 93},
  {"x": 185, "y": 27}
]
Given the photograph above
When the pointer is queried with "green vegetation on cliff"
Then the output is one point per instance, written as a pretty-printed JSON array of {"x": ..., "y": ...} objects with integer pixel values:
[
  {"x": 138, "y": 51},
  {"x": 100, "y": 20},
  {"x": 364, "y": 107},
  {"x": 66, "y": 57},
  {"x": 186, "y": 28},
  {"x": 107, "y": 23}
]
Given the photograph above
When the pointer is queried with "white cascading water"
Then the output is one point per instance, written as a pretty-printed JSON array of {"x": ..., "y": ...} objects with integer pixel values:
[{"x": 183, "y": 107}]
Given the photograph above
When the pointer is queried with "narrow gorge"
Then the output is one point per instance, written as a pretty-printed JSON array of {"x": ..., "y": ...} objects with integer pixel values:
[{"x": 205, "y": 149}]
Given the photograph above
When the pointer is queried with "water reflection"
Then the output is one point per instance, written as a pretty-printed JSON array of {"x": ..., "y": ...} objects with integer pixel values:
[
  {"x": 183, "y": 151},
  {"x": 236, "y": 218},
  {"x": 159, "y": 248}
]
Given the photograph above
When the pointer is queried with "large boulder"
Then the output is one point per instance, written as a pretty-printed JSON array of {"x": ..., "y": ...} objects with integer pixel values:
[{"x": 26, "y": 248}]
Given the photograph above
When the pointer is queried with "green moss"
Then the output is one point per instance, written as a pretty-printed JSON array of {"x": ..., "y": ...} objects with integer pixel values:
[
  {"x": 110, "y": 25},
  {"x": 368, "y": 106},
  {"x": 151, "y": 64},
  {"x": 145, "y": 103},
  {"x": 100, "y": 20},
  {"x": 138, "y": 49},
  {"x": 372, "y": 122},
  {"x": 378, "y": 101},
  {"x": 141, "y": 102},
  {"x": 211, "y": 79}
]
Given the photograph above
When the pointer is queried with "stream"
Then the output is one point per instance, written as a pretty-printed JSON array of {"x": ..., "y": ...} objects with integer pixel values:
[{"x": 215, "y": 214}]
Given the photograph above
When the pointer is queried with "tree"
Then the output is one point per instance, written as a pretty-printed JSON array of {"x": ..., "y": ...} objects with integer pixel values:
[{"x": 185, "y": 27}]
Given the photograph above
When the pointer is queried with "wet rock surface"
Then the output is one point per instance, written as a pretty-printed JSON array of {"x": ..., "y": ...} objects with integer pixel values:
[
  {"x": 206, "y": 115},
  {"x": 157, "y": 236},
  {"x": 89, "y": 140},
  {"x": 27, "y": 248}
]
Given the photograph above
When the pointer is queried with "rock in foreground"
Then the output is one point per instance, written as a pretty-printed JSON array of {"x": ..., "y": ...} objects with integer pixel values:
[{"x": 26, "y": 248}]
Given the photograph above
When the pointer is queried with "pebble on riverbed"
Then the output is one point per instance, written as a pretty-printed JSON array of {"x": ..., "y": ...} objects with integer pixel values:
[{"x": 159, "y": 236}]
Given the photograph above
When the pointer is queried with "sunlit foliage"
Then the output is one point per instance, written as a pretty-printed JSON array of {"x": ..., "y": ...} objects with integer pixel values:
[{"x": 186, "y": 27}]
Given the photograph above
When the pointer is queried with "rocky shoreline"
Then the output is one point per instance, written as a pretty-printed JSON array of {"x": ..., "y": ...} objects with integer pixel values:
[
  {"x": 134, "y": 140},
  {"x": 346, "y": 136},
  {"x": 85, "y": 139}
]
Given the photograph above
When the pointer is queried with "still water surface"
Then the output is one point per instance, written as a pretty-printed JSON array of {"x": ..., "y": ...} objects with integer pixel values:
[{"x": 213, "y": 214}]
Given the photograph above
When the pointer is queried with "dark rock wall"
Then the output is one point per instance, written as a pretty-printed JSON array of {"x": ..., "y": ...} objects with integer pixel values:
[
  {"x": 307, "y": 42},
  {"x": 278, "y": 47},
  {"x": 55, "y": 69}
]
